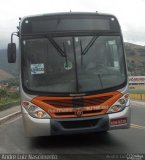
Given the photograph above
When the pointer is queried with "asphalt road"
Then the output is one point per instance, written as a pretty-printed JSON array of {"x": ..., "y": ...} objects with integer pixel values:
[{"x": 13, "y": 140}]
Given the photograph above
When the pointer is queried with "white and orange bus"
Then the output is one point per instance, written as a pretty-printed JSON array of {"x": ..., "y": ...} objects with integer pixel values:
[{"x": 73, "y": 76}]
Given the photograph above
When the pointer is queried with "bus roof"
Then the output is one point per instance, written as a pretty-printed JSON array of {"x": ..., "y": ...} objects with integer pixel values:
[{"x": 68, "y": 13}]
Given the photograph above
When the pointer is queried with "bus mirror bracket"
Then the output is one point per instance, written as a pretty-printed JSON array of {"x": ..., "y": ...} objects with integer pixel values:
[{"x": 11, "y": 50}]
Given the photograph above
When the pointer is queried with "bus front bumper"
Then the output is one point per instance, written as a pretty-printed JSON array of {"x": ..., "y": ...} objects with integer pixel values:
[{"x": 46, "y": 127}]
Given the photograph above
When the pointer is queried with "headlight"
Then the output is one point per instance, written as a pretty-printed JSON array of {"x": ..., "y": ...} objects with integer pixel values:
[
  {"x": 122, "y": 101},
  {"x": 115, "y": 108},
  {"x": 35, "y": 111},
  {"x": 120, "y": 104}
]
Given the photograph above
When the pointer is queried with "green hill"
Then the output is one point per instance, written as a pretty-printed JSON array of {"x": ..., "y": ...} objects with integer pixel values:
[{"x": 135, "y": 59}]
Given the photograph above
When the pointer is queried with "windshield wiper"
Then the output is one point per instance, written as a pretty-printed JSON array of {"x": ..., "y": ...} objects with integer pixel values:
[
  {"x": 92, "y": 41},
  {"x": 100, "y": 79},
  {"x": 56, "y": 46},
  {"x": 81, "y": 52},
  {"x": 66, "y": 60},
  {"x": 62, "y": 53}
]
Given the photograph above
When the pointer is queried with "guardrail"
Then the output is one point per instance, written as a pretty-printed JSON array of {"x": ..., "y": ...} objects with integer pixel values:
[{"x": 137, "y": 96}]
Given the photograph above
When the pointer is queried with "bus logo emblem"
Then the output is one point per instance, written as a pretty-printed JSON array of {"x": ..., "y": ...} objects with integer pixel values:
[{"x": 78, "y": 112}]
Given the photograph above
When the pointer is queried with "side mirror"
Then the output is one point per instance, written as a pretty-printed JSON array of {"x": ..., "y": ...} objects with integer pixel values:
[{"x": 11, "y": 51}]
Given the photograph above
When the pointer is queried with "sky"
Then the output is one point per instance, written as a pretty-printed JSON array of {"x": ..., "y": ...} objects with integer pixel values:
[{"x": 130, "y": 13}]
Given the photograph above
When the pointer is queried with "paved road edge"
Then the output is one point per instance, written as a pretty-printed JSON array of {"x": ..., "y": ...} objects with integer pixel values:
[
  {"x": 9, "y": 117},
  {"x": 138, "y": 103}
]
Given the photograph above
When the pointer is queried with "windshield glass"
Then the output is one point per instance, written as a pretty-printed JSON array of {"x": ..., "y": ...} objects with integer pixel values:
[{"x": 72, "y": 64}]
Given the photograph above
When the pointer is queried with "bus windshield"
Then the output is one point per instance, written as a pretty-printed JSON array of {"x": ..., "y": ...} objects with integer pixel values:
[{"x": 72, "y": 64}]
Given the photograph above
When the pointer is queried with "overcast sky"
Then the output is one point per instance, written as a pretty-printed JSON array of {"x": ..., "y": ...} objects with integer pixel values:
[{"x": 130, "y": 13}]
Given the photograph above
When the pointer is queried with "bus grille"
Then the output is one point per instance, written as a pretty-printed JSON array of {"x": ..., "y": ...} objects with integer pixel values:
[
  {"x": 72, "y": 107},
  {"x": 77, "y": 102}
]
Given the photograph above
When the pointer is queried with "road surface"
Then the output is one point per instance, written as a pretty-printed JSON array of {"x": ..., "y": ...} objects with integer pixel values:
[{"x": 13, "y": 140}]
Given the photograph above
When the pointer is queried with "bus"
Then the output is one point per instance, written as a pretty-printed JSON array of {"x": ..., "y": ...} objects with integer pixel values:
[{"x": 73, "y": 74}]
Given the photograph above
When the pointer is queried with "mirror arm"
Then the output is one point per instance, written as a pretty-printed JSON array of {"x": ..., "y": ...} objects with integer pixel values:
[{"x": 14, "y": 33}]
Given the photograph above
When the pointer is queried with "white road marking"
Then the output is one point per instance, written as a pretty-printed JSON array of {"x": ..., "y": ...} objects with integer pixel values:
[{"x": 137, "y": 126}]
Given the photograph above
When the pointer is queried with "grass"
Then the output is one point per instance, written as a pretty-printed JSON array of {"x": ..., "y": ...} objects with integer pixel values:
[
  {"x": 9, "y": 105},
  {"x": 8, "y": 99},
  {"x": 8, "y": 102}
]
